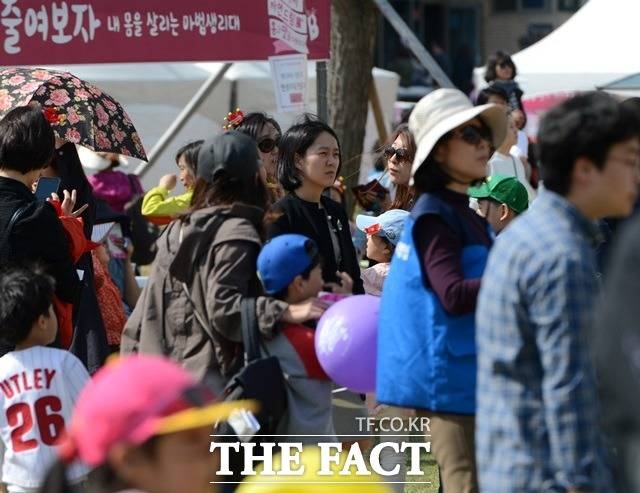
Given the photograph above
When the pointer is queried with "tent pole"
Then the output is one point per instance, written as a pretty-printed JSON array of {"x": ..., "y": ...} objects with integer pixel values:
[
  {"x": 413, "y": 43},
  {"x": 321, "y": 91},
  {"x": 191, "y": 107}
]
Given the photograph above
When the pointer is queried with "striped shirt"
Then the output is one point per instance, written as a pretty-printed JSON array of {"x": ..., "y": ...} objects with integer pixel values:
[
  {"x": 537, "y": 410},
  {"x": 38, "y": 390}
]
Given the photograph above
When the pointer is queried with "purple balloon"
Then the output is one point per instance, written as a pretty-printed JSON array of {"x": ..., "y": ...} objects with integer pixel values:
[{"x": 346, "y": 342}]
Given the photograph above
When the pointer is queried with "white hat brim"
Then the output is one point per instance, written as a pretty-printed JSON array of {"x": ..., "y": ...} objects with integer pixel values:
[{"x": 493, "y": 115}]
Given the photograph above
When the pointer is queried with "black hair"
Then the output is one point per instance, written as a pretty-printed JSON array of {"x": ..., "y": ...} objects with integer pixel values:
[
  {"x": 405, "y": 194},
  {"x": 226, "y": 190},
  {"x": 497, "y": 58},
  {"x": 587, "y": 125},
  {"x": 190, "y": 153},
  {"x": 316, "y": 259},
  {"x": 295, "y": 142},
  {"x": 483, "y": 95},
  {"x": 68, "y": 168},
  {"x": 26, "y": 295},
  {"x": 27, "y": 142},
  {"x": 253, "y": 123}
]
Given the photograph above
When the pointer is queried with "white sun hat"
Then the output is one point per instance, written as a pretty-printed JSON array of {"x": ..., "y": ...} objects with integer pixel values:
[{"x": 445, "y": 109}]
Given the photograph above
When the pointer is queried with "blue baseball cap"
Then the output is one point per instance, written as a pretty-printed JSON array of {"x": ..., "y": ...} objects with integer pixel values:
[
  {"x": 283, "y": 258},
  {"x": 389, "y": 224}
]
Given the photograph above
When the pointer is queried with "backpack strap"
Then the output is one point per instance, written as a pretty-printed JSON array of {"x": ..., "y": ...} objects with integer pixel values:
[
  {"x": 7, "y": 231},
  {"x": 250, "y": 338}
]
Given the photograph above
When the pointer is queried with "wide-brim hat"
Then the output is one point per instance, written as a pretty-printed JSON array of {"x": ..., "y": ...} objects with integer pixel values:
[{"x": 443, "y": 110}]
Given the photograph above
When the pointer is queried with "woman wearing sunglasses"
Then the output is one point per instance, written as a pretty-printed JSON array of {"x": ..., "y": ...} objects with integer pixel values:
[
  {"x": 265, "y": 130},
  {"x": 501, "y": 72},
  {"x": 426, "y": 345},
  {"x": 399, "y": 155}
]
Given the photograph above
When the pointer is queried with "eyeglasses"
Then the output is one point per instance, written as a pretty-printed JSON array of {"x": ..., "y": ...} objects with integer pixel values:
[
  {"x": 504, "y": 64},
  {"x": 401, "y": 154},
  {"x": 268, "y": 144},
  {"x": 472, "y": 134}
]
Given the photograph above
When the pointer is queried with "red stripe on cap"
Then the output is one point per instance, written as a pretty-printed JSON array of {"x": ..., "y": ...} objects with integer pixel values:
[{"x": 373, "y": 229}]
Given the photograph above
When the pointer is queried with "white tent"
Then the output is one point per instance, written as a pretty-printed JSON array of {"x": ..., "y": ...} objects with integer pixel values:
[
  {"x": 597, "y": 45},
  {"x": 154, "y": 94}
]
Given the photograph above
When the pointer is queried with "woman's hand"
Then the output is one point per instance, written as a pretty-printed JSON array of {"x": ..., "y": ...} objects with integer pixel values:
[
  {"x": 343, "y": 286},
  {"x": 68, "y": 203},
  {"x": 311, "y": 309}
]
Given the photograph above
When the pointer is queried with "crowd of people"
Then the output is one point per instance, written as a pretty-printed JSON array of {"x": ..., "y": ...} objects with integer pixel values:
[{"x": 483, "y": 254}]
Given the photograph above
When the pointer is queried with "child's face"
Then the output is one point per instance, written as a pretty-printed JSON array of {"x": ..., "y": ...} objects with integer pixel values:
[
  {"x": 180, "y": 462},
  {"x": 504, "y": 71},
  {"x": 185, "y": 176},
  {"x": 313, "y": 285},
  {"x": 50, "y": 326},
  {"x": 377, "y": 249}
]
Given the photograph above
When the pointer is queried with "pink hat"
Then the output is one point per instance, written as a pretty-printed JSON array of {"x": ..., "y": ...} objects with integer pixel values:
[{"x": 133, "y": 399}]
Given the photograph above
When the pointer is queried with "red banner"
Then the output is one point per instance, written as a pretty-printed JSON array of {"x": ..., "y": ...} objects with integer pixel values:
[{"x": 38, "y": 32}]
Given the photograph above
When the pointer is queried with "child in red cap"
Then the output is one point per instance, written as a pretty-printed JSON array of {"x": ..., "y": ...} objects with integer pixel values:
[{"x": 143, "y": 423}]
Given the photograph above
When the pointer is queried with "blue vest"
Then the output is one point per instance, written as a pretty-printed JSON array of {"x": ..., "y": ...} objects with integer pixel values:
[{"x": 427, "y": 357}]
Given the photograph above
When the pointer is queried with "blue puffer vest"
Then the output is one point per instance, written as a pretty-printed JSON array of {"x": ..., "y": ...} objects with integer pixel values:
[{"x": 427, "y": 357}]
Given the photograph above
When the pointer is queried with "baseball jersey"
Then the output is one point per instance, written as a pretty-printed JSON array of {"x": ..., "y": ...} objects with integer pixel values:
[{"x": 38, "y": 390}]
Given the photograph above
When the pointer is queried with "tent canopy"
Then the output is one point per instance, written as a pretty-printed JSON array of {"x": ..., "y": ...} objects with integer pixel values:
[
  {"x": 154, "y": 94},
  {"x": 597, "y": 45}
]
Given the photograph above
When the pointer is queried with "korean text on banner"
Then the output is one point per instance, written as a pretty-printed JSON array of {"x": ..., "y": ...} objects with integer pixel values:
[{"x": 40, "y": 32}]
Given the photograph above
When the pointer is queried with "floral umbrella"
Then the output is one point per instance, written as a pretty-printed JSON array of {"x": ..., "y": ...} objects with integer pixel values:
[{"x": 78, "y": 112}]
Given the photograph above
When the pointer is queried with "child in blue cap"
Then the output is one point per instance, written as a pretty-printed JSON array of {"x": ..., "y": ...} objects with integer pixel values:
[
  {"x": 383, "y": 233},
  {"x": 290, "y": 269}
]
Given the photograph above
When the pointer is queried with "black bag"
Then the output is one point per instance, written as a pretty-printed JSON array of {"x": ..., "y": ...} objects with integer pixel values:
[
  {"x": 261, "y": 378},
  {"x": 143, "y": 233}
]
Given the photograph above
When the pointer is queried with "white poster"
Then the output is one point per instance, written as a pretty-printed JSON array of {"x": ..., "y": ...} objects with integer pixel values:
[{"x": 290, "y": 82}]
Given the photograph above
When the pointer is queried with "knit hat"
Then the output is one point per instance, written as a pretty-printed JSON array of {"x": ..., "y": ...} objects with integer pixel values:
[{"x": 504, "y": 189}]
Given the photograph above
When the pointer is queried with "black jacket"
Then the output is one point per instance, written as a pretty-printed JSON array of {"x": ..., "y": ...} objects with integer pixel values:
[
  {"x": 306, "y": 218},
  {"x": 37, "y": 236}
]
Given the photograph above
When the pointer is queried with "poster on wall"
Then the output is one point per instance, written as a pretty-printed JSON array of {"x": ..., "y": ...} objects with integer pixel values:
[
  {"x": 290, "y": 82},
  {"x": 38, "y": 32}
]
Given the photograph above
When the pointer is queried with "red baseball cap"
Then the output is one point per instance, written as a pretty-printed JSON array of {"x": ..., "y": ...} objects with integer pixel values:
[{"x": 135, "y": 398}]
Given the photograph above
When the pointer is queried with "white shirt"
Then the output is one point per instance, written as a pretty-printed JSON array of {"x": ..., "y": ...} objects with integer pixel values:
[
  {"x": 521, "y": 149},
  {"x": 38, "y": 390},
  {"x": 510, "y": 165}
]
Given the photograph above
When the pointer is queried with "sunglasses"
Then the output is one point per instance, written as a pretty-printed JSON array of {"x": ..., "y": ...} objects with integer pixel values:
[
  {"x": 504, "y": 64},
  {"x": 401, "y": 154},
  {"x": 268, "y": 144},
  {"x": 472, "y": 134}
]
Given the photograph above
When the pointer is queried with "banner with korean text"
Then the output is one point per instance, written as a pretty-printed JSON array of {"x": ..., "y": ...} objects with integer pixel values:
[{"x": 38, "y": 32}]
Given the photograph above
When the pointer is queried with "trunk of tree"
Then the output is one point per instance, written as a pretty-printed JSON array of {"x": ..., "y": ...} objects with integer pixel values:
[{"x": 353, "y": 31}]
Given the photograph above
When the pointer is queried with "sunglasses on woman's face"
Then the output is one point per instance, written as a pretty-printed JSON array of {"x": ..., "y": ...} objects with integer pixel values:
[
  {"x": 504, "y": 65},
  {"x": 401, "y": 154},
  {"x": 267, "y": 144},
  {"x": 473, "y": 134}
]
